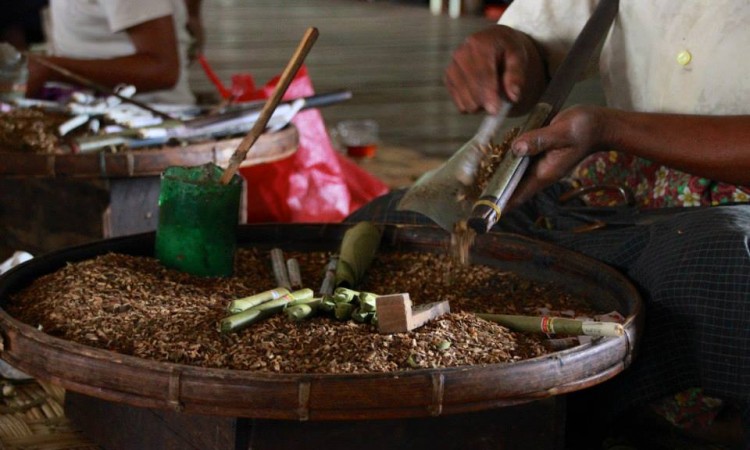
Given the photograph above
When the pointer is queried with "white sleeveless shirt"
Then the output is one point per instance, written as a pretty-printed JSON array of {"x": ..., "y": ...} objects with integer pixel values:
[{"x": 91, "y": 29}]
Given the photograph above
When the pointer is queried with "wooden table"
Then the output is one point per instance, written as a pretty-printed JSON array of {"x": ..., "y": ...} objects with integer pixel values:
[{"x": 53, "y": 201}]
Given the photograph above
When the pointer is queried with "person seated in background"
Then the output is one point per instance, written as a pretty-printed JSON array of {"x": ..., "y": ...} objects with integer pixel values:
[
  {"x": 143, "y": 43},
  {"x": 675, "y": 131}
]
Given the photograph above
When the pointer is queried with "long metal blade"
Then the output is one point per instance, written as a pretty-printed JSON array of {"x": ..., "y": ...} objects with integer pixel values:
[{"x": 444, "y": 194}]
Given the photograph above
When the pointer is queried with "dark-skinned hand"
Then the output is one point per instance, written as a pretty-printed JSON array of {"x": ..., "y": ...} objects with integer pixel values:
[
  {"x": 495, "y": 64},
  {"x": 572, "y": 135}
]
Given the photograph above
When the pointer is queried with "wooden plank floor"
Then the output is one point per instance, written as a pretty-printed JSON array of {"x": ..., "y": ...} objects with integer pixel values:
[{"x": 391, "y": 56}]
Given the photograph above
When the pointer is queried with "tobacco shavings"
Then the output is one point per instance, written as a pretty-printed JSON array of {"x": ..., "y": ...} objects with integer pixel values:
[
  {"x": 133, "y": 305},
  {"x": 30, "y": 130},
  {"x": 462, "y": 237},
  {"x": 488, "y": 165}
]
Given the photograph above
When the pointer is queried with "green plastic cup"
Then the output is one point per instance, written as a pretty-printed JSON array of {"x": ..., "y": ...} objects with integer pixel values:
[{"x": 198, "y": 218}]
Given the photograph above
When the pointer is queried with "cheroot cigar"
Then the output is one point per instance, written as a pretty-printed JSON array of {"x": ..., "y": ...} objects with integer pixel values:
[{"x": 556, "y": 325}]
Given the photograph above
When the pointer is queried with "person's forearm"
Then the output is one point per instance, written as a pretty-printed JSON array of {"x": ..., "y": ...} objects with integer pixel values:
[
  {"x": 144, "y": 72},
  {"x": 715, "y": 147}
]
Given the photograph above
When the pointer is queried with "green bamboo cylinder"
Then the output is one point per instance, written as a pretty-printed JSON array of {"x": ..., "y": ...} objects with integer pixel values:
[
  {"x": 343, "y": 311},
  {"x": 358, "y": 248},
  {"x": 252, "y": 315},
  {"x": 361, "y": 316},
  {"x": 368, "y": 301},
  {"x": 304, "y": 308},
  {"x": 236, "y": 322},
  {"x": 345, "y": 295},
  {"x": 241, "y": 304},
  {"x": 300, "y": 312},
  {"x": 327, "y": 303},
  {"x": 305, "y": 301}
]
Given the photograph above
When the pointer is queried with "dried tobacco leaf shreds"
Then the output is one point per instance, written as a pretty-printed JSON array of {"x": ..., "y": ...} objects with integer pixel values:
[
  {"x": 462, "y": 236},
  {"x": 133, "y": 305},
  {"x": 493, "y": 155},
  {"x": 30, "y": 130}
]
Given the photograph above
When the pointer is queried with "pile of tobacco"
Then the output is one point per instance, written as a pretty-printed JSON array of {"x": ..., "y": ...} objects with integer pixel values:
[
  {"x": 29, "y": 130},
  {"x": 493, "y": 156},
  {"x": 133, "y": 305}
]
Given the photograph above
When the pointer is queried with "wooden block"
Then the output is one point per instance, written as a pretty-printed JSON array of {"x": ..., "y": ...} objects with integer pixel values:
[{"x": 395, "y": 314}]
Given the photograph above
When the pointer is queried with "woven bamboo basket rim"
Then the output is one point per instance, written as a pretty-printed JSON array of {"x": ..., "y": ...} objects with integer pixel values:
[
  {"x": 418, "y": 393},
  {"x": 269, "y": 147}
]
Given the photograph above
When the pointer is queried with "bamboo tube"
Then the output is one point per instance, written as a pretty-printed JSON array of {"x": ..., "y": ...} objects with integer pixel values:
[
  {"x": 241, "y": 320},
  {"x": 236, "y": 322},
  {"x": 343, "y": 311},
  {"x": 361, "y": 316},
  {"x": 297, "y": 313},
  {"x": 345, "y": 295},
  {"x": 556, "y": 325},
  {"x": 368, "y": 301},
  {"x": 358, "y": 248},
  {"x": 327, "y": 303},
  {"x": 241, "y": 304},
  {"x": 305, "y": 299},
  {"x": 299, "y": 310}
]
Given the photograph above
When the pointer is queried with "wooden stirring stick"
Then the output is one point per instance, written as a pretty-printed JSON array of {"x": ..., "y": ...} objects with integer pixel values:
[{"x": 265, "y": 114}]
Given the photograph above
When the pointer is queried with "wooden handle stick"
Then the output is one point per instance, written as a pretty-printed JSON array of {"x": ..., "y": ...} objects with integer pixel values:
[
  {"x": 97, "y": 87},
  {"x": 396, "y": 315},
  {"x": 265, "y": 114}
]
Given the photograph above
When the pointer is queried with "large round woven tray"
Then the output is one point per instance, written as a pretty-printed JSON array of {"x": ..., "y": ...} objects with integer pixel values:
[
  {"x": 145, "y": 162},
  {"x": 416, "y": 393}
]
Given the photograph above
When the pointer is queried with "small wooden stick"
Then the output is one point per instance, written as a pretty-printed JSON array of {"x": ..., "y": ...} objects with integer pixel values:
[
  {"x": 295, "y": 276},
  {"x": 280, "y": 273},
  {"x": 395, "y": 313},
  {"x": 311, "y": 35},
  {"x": 329, "y": 277}
]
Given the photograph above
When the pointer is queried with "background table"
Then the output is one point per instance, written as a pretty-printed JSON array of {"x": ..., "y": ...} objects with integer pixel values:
[{"x": 53, "y": 201}]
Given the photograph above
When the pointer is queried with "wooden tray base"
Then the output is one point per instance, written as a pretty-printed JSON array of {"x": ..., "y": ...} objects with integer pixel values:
[{"x": 114, "y": 426}]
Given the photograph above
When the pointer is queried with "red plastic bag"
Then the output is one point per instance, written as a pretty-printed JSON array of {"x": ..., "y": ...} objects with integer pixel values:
[
  {"x": 316, "y": 183},
  {"x": 243, "y": 84}
]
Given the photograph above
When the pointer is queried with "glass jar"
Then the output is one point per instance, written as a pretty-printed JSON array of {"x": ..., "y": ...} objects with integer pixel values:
[
  {"x": 198, "y": 218},
  {"x": 13, "y": 73}
]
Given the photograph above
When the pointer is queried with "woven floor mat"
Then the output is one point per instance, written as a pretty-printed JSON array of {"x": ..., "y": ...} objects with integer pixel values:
[{"x": 32, "y": 418}]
